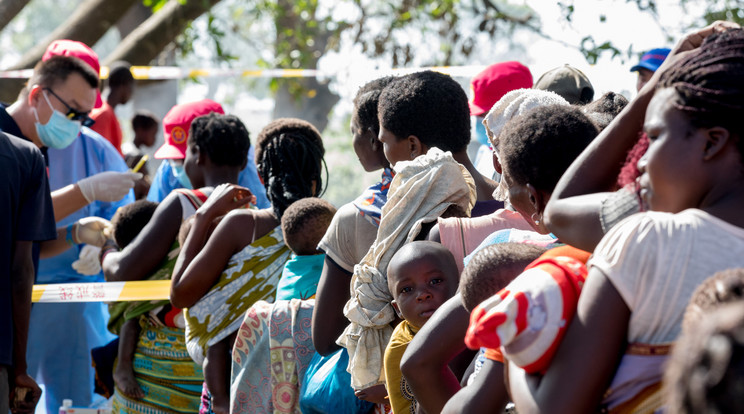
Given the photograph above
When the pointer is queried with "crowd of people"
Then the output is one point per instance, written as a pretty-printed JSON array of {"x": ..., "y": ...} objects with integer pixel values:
[{"x": 588, "y": 259}]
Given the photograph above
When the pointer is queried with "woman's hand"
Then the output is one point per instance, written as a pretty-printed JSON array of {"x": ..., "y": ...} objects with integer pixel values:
[
  {"x": 224, "y": 198},
  {"x": 689, "y": 42},
  {"x": 695, "y": 39}
]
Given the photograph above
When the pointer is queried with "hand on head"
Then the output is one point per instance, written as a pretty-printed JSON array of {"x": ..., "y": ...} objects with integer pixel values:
[
  {"x": 688, "y": 43},
  {"x": 226, "y": 197}
]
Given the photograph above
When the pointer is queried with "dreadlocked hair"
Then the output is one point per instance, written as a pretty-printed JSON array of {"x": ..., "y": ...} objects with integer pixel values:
[
  {"x": 289, "y": 158},
  {"x": 709, "y": 83}
]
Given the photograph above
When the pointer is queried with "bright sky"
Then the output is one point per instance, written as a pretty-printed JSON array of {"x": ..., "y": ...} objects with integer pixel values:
[{"x": 624, "y": 26}]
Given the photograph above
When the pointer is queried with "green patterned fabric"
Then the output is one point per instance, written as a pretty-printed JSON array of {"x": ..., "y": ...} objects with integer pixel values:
[
  {"x": 121, "y": 312},
  {"x": 171, "y": 381},
  {"x": 251, "y": 275}
]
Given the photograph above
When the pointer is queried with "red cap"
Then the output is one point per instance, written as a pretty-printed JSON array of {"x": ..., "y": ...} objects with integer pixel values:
[
  {"x": 79, "y": 50},
  {"x": 176, "y": 124},
  {"x": 494, "y": 82}
]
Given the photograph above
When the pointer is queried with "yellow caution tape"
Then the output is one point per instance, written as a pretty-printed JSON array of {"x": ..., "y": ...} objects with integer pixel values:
[
  {"x": 102, "y": 291},
  {"x": 175, "y": 72}
]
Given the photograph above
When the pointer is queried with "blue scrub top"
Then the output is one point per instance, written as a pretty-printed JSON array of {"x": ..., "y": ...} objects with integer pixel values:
[
  {"x": 88, "y": 155},
  {"x": 61, "y": 335},
  {"x": 164, "y": 182}
]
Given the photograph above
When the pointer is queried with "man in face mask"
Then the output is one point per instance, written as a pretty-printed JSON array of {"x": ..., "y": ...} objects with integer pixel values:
[
  {"x": 88, "y": 178},
  {"x": 54, "y": 105},
  {"x": 50, "y": 112}
]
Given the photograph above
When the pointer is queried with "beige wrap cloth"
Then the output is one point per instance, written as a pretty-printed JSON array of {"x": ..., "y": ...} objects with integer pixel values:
[{"x": 420, "y": 192}]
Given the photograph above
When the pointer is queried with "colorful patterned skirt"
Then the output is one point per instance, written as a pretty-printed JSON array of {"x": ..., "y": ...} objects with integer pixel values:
[
  {"x": 170, "y": 379},
  {"x": 271, "y": 354}
]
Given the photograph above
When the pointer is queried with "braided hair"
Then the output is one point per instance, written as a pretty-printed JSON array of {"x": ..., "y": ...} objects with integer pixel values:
[
  {"x": 709, "y": 84},
  {"x": 289, "y": 158}
]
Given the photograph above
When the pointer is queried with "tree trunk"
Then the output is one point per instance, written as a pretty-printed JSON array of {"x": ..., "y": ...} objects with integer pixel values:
[
  {"x": 87, "y": 24},
  {"x": 315, "y": 100},
  {"x": 133, "y": 19},
  {"x": 313, "y": 106},
  {"x": 9, "y": 9},
  {"x": 147, "y": 41}
]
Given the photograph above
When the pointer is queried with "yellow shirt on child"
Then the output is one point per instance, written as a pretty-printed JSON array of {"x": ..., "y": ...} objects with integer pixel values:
[{"x": 401, "y": 396}]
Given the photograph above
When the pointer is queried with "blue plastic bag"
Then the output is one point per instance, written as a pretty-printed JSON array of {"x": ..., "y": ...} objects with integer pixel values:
[{"x": 327, "y": 387}]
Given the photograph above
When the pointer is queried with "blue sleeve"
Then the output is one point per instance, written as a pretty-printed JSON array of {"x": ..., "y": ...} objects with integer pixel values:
[
  {"x": 163, "y": 183},
  {"x": 249, "y": 178}
]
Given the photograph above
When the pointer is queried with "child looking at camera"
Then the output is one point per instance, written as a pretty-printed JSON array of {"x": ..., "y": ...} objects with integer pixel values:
[{"x": 422, "y": 275}]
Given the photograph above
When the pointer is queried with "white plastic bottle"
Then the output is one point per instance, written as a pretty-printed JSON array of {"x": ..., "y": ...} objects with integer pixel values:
[{"x": 66, "y": 403}]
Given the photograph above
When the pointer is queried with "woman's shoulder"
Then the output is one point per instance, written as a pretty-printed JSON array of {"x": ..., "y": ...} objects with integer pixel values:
[
  {"x": 246, "y": 220},
  {"x": 670, "y": 225},
  {"x": 349, "y": 215},
  {"x": 652, "y": 233}
]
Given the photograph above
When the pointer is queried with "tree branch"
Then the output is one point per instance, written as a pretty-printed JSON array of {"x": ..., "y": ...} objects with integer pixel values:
[
  {"x": 87, "y": 24},
  {"x": 149, "y": 39},
  {"x": 10, "y": 9}
]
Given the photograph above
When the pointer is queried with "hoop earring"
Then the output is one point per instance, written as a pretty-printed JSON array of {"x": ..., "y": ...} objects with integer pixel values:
[{"x": 536, "y": 219}]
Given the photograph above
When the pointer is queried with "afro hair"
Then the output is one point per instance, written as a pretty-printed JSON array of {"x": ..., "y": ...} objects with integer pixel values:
[
  {"x": 429, "y": 105},
  {"x": 538, "y": 146},
  {"x": 305, "y": 222}
]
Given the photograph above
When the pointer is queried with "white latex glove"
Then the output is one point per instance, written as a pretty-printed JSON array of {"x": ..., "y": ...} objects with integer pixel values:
[
  {"x": 87, "y": 263},
  {"x": 92, "y": 230},
  {"x": 108, "y": 185}
]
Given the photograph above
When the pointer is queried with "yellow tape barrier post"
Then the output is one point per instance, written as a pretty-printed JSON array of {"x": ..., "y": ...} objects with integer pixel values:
[{"x": 102, "y": 292}]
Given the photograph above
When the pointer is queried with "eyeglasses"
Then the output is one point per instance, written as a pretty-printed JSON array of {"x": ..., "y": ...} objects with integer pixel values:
[{"x": 73, "y": 114}]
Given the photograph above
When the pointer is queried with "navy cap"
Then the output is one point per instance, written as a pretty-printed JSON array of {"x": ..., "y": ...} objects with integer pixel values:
[{"x": 651, "y": 60}]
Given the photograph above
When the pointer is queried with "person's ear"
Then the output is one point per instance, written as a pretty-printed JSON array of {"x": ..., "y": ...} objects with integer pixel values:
[
  {"x": 538, "y": 199},
  {"x": 374, "y": 142},
  {"x": 716, "y": 140},
  {"x": 496, "y": 163},
  {"x": 416, "y": 146},
  {"x": 201, "y": 157},
  {"x": 397, "y": 310},
  {"x": 34, "y": 94}
]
